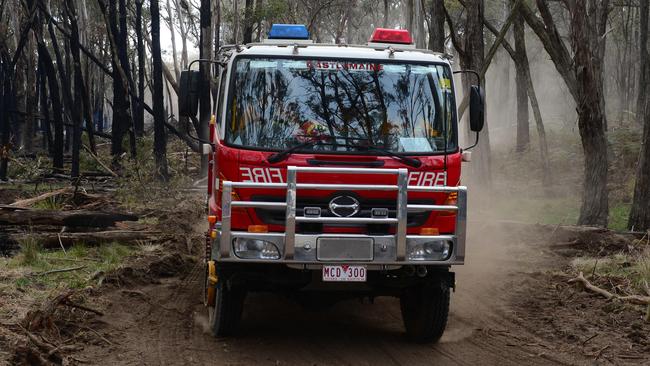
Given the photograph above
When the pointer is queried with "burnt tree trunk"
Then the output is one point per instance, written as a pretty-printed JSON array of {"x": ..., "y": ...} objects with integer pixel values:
[
  {"x": 521, "y": 62},
  {"x": 120, "y": 104},
  {"x": 139, "y": 108},
  {"x": 5, "y": 118},
  {"x": 44, "y": 107},
  {"x": 77, "y": 110},
  {"x": 30, "y": 97},
  {"x": 57, "y": 109},
  {"x": 644, "y": 65},
  {"x": 160, "y": 143},
  {"x": 123, "y": 52}
]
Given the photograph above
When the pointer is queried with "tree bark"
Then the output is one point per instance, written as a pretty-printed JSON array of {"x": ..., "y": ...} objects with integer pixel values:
[
  {"x": 139, "y": 110},
  {"x": 473, "y": 58},
  {"x": 77, "y": 111},
  {"x": 521, "y": 62},
  {"x": 55, "y": 99},
  {"x": 594, "y": 208},
  {"x": 172, "y": 30},
  {"x": 205, "y": 52},
  {"x": 123, "y": 51},
  {"x": 120, "y": 105},
  {"x": 639, "y": 219},
  {"x": 259, "y": 6},
  {"x": 385, "y": 22},
  {"x": 30, "y": 97},
  {"x": 160, "y": 143},
  {"x": 582, "y": 74},
  {"x": 437, "y": 26},
  {"x": 644, "y": 64},
  {"x": 248, "y": 21}
]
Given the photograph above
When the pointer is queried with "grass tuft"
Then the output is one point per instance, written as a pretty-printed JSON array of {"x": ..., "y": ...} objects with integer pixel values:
[{"x": 29, "y": 251}]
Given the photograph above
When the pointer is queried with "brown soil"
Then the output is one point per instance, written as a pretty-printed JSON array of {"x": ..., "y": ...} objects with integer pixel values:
[{"x": 510, "y": 307}]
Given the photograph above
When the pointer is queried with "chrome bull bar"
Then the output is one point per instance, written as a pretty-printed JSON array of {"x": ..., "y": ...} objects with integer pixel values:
[{"x": 287, "y": 240}]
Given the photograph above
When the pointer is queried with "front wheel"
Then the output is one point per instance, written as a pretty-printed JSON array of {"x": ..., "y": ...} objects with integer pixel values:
[
  {"x": 225, "y": 315},
  {"x": 425, "y": 309}
]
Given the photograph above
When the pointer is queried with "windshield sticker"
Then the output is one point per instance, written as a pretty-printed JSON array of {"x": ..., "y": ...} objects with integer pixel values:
[
  {"x": 300, "y": 65},
  {"x": 397, "y": 69},
  {"x": 424, "y": 69},
  {"x": 415, "y": 144},
  {"x": 263, "y": 64},
  {"x": 349, "y": 66},
  {"x": 445, "y": 83}
]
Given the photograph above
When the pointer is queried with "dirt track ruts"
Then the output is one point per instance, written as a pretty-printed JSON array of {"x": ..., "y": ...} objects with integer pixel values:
[{"x": 165, "y": 324}]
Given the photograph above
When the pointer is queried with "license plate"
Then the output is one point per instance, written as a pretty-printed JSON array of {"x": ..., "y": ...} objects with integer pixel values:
[{"x": 344, "y": 273}]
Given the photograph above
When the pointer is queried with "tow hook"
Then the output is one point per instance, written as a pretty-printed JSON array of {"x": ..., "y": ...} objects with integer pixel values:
[{"x": 421, "y": 271}]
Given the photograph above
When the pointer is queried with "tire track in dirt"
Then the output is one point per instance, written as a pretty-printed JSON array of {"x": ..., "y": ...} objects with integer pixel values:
[{"x": 169, "y": 326}]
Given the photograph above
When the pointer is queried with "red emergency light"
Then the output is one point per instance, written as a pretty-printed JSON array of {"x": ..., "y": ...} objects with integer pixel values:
[{"x": 384, "y": 35}]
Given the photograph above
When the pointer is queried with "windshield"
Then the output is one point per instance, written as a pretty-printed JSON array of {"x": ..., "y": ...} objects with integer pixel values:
[{"x": 341, "y": 106}]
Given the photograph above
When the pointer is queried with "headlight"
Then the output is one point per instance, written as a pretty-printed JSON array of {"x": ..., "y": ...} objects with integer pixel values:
[
  {"x": 247, "y": 248},
  {"x": 429, "y": 251}
]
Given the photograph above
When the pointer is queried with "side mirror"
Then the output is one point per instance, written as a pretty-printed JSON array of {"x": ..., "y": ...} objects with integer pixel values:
[
  {"x": 476, "y": 108},
  {"x": 188, "y": 93}
]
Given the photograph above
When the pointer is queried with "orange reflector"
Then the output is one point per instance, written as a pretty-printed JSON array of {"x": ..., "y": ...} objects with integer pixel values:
[
  {"x": 213, "y": 234},
  {"x": 258, "y": 229},
  {"x": 430, "y": 231},
  {"x": 212, "y": 219},
  {"x": 452, "y": 199}
]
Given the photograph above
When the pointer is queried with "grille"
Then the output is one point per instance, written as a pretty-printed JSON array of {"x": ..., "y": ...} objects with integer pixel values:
[
  {"x": 334, "y": 249},
  {"x": 277, "y": 216}
]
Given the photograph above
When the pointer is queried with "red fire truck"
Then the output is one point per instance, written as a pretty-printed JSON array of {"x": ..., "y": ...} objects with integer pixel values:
[{"x": 334, "y": 173}]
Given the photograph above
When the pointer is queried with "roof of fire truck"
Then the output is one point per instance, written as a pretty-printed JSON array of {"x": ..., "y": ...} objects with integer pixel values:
[{"x": 379, "y": 47}]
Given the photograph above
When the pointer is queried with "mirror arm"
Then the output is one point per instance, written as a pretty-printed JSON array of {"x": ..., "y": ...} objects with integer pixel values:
[
  {"x": 222, "y": 64},
  {"x": 197, "y": 138},
  {"x": 478, "y": 76},
  {"x": 475, "y": 142}
]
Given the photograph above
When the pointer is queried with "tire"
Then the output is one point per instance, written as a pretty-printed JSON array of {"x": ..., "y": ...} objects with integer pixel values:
[
  {"x": 226, "y": 314},
  {"x": 425, "y": 309}
]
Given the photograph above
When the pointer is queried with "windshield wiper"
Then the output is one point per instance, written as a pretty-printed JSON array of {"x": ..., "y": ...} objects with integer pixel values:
[
  {"x": 282, "y": 155},
  {"x": 416, "y": 163}
]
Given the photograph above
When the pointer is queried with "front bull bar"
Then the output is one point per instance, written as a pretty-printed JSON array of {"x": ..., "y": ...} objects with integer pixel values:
[{"x": 287, "y": 241}]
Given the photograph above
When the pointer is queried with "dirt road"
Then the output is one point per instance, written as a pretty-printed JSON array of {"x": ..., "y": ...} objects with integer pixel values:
[{"x": 165, "y": 324}]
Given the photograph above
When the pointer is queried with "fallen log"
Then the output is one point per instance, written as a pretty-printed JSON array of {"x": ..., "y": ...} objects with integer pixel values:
[
  {"x": 63, "y": 218},
  {"x": 30, "y": 201},
  {"x": 67, "y": 239}
]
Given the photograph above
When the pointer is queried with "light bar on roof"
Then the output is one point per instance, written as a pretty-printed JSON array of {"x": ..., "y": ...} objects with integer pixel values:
[
  {"x": 384, "y": 35},
  {"x": 288, "y": 31}
]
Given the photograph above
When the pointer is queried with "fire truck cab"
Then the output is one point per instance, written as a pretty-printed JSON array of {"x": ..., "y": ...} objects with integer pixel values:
[{"x": 334, "y": 173}]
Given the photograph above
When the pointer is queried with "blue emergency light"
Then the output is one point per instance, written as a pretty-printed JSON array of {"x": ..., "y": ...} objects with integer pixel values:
[{"x": 288, "y": 31}]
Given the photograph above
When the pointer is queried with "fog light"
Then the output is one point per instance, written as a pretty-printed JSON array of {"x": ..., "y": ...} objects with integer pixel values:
[
  {"x": 429, "y": 251},
  {"x": 248, "y": 248}
]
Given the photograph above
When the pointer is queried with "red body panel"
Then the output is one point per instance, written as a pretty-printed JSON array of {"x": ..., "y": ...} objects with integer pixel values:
[{"x": 234, "y": 164}]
